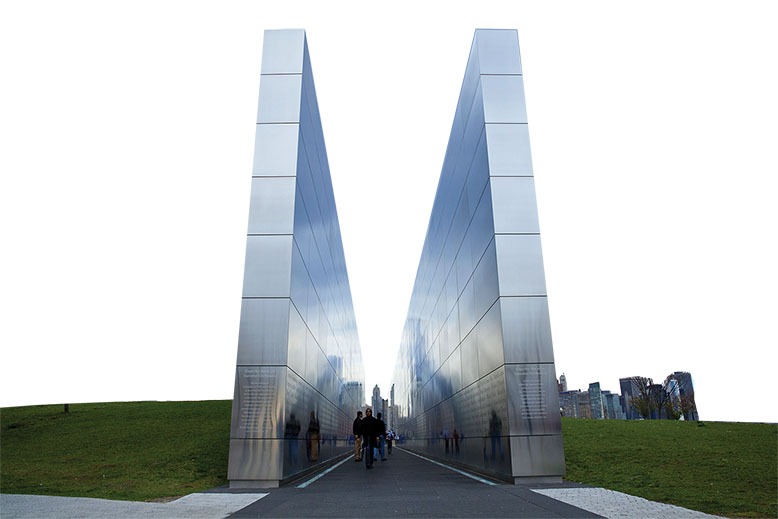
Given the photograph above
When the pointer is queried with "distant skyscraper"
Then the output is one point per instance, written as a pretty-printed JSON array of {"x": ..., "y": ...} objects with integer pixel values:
[
  {"x": 612, "y": 406},
  {"x": 627, "y": 385},
  {"x": 584, "y": 406},
  {"x": 568, "y": 403},
  {"x": 562, "y": 383},
  {"x": 595, "y": 400},
  {"x": 376, "y": 400},
  {"x": 390, "y": 422},
  {"x": 683, "y": 390}
]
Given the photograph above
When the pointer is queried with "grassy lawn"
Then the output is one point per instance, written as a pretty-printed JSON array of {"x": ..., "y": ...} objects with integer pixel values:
[
  {"x": 132, "y": 451},
  {"x": 715, "y": 467},
  {"x": 151, "y": 450}
]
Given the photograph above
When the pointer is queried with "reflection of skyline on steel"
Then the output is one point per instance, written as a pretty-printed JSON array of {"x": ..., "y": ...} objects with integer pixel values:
[
  {"x": 475, "y": 379},
  {"x": 299, "y": 370}
]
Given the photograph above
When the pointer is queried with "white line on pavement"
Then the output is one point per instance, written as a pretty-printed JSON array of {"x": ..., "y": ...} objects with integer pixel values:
[
  {"x": 471, "y": 476},
  {"x": 303, "y": 485}
]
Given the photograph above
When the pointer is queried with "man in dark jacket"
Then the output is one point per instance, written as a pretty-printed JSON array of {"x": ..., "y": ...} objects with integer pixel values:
[
  {"x": 357, "y": 431},
  {"x": 370, "y": 433}
]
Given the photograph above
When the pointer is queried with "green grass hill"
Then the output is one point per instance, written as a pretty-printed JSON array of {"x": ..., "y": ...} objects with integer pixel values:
[{"x": 157, "y": 450}]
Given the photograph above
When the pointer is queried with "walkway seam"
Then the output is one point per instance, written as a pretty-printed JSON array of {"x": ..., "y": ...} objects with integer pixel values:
[
  {"x": 330, "y": 469},
  {"x": 471, "y": 476}
]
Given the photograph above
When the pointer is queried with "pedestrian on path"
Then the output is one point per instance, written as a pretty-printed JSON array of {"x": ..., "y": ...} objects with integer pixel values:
[
  {"x": 369, "y": 435},
  {"x": 357, "y": 431},
  {"x": 389, "y": 440}
]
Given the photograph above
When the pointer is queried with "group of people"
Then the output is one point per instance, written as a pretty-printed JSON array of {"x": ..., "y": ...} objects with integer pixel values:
[{"x": 370, "y": 438}]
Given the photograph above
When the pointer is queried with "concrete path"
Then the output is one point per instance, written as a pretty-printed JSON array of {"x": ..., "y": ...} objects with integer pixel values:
[{"x": 193, "y": 506}]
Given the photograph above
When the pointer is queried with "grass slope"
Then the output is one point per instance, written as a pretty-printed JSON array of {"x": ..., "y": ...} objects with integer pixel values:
[
  {"x": 715, "y": 467},
  {"x": 152, "y": 450},
  {"x": 133, "y": 451}
]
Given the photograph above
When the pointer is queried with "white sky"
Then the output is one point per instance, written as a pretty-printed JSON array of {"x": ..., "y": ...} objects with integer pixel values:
[{"x": 126, "y": 145}]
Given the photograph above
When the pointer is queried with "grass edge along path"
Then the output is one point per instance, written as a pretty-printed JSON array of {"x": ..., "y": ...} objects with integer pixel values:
[
  {"x": 153, "y": 450},
  {"x": 720, "y": 468},
  {"x": 124, "y": 450}
]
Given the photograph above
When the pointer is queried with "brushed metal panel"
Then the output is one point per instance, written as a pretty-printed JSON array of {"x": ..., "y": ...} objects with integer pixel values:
[
  {"x": 300, "y": 283},
  {"x": 459, "y": 225},
  {"x": 509, "y": 151},
  {"x": 469, "y": 358},
  {"x": 255, "y": 460},
  {"x": 489, "y": 337},
  {"x": 520, "y": 265},
  {"x": 264, "y": 331},
  {"x": 298, "y": 334},
  {"x": 444, "y": 381},
  {"x": 275, "y": 149},
  {"x": 535, "y": 456},
  {"x": 300, "y": 400},
  {"x": 486, "y": 282},
  {"x": 495, "y": 420},
  {"x": 466, "y": 308},
  {"x": 526, "y": 329},
  {"x": 272, "y": 205},
  {"x": 498, "y": 51},
  {"x": 481, "y": 230},
  {"x": 464, "y": 264},
  {"x": 455, "y": 371},
  {"x": 478, "y": 174},
  {"x": 313, "y": 319},
  {"x": 257, "y": 405},
  {"x": 303, "y": 235},
  {"x": 449, "y": 335},
  {"x": 494, "y": 395},
  {"x": 268, "y": 266},
  {"x": 474, "y": 129},
  {"x": 433, "y": 358},
  {"x": 467, "y": 405},
  {"x": 514, "y": 205},
  {"x": 469, "y": 96},
  {"x": 282, "y": 51},
  {"x": 533, "y": 402},
  {"x": 451, "y": 295},
  {"x": 279, "y": 99},
  {"x": 503, "y": 99}
]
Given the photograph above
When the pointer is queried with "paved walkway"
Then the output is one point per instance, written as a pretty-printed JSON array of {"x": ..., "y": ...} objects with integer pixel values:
[
  {"x": 406, "y": 485},
  {"x": 193, "y": 506}
]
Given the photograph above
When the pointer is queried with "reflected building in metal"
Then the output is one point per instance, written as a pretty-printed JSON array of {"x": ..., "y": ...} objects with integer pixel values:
[
  {"x": 299, "y": 369},
  {"x": 474, "y": 380}
]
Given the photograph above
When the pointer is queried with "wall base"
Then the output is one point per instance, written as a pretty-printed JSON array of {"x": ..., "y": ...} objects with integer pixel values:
[
  {"x": 254, "y": 483},
  {"x": 537, "y": 480}
]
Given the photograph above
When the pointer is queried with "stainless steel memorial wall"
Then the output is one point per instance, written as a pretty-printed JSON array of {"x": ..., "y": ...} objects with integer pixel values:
[
  {"x": 474, "y": 379},
  {"x": 299, "y": 359}
]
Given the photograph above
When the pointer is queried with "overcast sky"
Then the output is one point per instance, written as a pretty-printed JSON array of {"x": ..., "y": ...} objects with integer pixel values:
[{"x": 126, "y": 145}]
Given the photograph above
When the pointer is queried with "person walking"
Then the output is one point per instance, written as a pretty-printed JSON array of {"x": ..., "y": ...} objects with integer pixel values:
[
  {"x": 369, "y": 433},
  {"x": 357, "y": 431},
  {"x": 381, "y": 437},
  {"x": 389, "y": 440}
]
